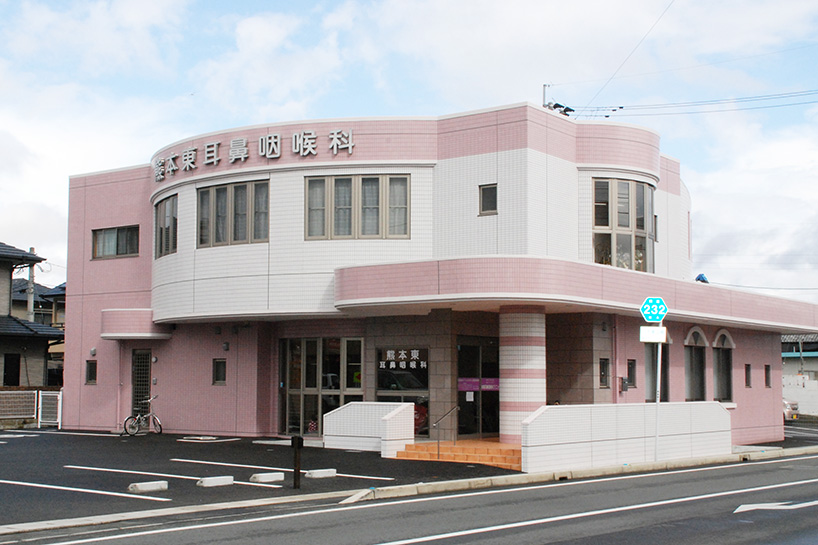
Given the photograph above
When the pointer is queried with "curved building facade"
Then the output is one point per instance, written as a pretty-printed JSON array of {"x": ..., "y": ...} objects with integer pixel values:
[{"x": 257, "y": 278}]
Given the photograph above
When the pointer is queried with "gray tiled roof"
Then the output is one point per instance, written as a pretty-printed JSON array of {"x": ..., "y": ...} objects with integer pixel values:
[
  {"x": 11, "y": 326},
  {"x": 19, "y": 287},
  {"x": 56, "y": 291},
  {"x": 18, "y": 256}
]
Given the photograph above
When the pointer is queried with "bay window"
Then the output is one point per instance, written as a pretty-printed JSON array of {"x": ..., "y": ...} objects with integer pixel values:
[{"x": 623, "y": 231}]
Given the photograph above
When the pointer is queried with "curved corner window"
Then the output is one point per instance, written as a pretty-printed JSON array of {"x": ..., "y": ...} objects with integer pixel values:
[
  {"x": 166, "y": 223},
  {"x": 623, "y": 232},
  {"x": 233, "y": 214}
]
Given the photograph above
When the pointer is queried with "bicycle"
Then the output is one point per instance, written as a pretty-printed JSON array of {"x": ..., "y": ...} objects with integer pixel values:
[{"x": 138, "y": 421}]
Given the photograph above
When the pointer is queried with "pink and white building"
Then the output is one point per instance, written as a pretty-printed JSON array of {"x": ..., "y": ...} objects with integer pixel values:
[{"x": 257, "y": 278}]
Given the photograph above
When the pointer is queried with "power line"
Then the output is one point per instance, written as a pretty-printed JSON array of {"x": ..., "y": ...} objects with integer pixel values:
[
  {"x": 711, "y": 102},
  {"x": 629, "y": 56}
]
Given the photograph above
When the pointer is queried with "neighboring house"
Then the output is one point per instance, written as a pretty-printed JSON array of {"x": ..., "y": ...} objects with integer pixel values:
[
  {"x": 495, "y": 261},
  {"x": 799, "y": 354},
  {"x": 24, "y": 345}
]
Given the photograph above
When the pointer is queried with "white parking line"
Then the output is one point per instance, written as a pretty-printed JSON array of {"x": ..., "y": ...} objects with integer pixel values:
[
  {"x": 83, "y": 490},
  {"x": 270, "y": 468},
  {"x": 166, "y": 475}
]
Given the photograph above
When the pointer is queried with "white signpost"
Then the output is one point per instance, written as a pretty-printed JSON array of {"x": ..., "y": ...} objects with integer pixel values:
[{"x": 654, "y": 311}]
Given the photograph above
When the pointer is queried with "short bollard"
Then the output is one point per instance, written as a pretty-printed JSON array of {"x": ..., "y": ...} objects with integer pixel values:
[{"x": 298, "y": 444}]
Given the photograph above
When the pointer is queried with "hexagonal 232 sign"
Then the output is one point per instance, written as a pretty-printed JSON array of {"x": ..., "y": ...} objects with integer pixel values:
[{"x": 654, "y": 309}]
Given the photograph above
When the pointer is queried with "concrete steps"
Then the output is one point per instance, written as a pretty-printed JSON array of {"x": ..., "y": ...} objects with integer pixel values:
[{"x": 491, "y": 453}]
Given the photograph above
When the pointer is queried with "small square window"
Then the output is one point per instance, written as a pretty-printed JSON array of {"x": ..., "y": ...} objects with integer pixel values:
[
  {"x": 90, "y": 371},
  {"x": 219, "y": 372},
  {"x": 488, "y": 199}
]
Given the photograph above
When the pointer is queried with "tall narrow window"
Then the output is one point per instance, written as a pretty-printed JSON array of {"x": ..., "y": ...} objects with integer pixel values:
[
  {"x": 316, "y": 208},
  {"x": 220, "y": 226},
  {"x": 90, "y": 371},
  {"x": 219, "y": 372},
  {"x": 748, "y": 376},
  {"x": 342, "y": 211},
  {"x": 398, "y": 206},
  {"x": 723, "y": 369},
  {"x": 632, "y": 373},
  {"x": 650, "y": 373},
  {"x": 261, "y": 211},
  {"x": 204, "y": 218},
  {"x": 370, "y": 207},
  {"x": 694, "y": 373},
  {"x": 601, "y": 204},
  {"x": 768, "y": 378},
  {"x": 623, "y": 204},
  {"x": 239, "y": 213},
  {"x": 166, "y": 223},
  {"x": 604, "y": 372}
]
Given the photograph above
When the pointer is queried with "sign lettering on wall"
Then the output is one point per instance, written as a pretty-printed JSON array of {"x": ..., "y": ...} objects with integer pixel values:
[{"x": 303, "y": 144}]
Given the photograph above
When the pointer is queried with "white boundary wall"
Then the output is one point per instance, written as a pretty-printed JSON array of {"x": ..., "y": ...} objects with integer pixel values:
[
  {"x": 372, "y": 426},
  {"x": 587, "y": 436}
]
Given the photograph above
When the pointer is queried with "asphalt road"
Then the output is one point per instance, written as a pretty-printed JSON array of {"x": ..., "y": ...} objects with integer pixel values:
[
  {"x": 771, "y": 502},
  {"x": 46, "y": 476}
]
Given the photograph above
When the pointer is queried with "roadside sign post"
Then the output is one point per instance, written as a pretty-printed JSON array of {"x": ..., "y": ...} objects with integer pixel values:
[{"x": 654, "y": 311}]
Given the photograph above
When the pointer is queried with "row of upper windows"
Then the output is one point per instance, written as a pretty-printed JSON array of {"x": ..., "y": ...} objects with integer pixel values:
[{"x": 358, "y": 207}]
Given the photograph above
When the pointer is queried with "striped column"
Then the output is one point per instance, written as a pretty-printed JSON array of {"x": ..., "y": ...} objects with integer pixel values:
[{"x": 522, "y": 367}]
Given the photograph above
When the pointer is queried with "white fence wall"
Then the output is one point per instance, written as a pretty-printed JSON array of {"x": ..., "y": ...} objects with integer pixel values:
[
  {"x": 560, "y": 437},
  {"x": 373, "y": 426},
  {"x": 45, "y": 406}
]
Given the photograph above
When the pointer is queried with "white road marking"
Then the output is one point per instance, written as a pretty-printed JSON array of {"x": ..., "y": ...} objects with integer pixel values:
[
  {"x": 424, "y": 539},
  {"x": 226, "y": 464},
  {"x": 83, "y": 490},
  {"x": 166, "y": 475},
  {"x": 782, "y": 505}
]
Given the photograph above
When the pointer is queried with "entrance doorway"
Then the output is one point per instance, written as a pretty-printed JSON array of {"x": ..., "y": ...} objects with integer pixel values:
[
  {"x": 140, "y": 379},
  {"x": 478, "y": 386},
  {"x": 321, "y": 375}
]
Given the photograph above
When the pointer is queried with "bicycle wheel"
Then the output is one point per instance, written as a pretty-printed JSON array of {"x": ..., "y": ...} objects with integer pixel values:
[
  {"x": 157, "y": 424},
  {"x": 131, "y": 425}
]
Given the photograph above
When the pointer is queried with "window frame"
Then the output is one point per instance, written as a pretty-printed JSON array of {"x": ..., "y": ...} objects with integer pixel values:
[
  {"x": 620, "y": 223},
  {"x": 324, "y": 214},
  {"x": 167, "y": 223},
  {"x": 484, "y": 210},
  {"x": 96, "y": 234},
  {"x": 604, "y": 373},
  {"x": 217, "y": 220},
  {"x": 219, "y": 372},
  {"x": 91, "y": 370}
]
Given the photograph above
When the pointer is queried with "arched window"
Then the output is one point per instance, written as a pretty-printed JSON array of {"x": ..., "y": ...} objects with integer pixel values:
[
  {"x": 723, "y": 366},
  {"x": 695, "y": 344}
]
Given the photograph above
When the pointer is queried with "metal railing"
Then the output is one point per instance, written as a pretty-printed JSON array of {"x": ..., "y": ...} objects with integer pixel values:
[{"x": 439, "y": 420}]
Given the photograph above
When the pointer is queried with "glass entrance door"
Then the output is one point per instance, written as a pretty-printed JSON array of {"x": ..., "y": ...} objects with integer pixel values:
[
  {"x": 321, "y": 375},
  {"x": 478, "y": 386}
]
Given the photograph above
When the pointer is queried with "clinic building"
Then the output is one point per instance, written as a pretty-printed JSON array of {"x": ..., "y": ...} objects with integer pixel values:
[{"x": 496, "y": 261}]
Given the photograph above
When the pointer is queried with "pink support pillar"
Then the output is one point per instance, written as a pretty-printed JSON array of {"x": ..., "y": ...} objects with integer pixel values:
[{"x": 522, "y": 367}]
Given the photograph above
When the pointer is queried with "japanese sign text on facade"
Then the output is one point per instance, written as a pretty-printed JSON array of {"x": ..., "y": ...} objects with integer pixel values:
[
  {"x": 304, "y": 144},
  {"x": 403, "y": 368}
]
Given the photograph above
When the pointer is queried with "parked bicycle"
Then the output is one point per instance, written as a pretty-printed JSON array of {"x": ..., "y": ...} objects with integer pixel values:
[{"x": 139, "y": 421}]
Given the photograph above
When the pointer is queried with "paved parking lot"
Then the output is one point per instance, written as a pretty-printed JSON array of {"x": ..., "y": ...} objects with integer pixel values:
[{"x": 47, "y": 475}]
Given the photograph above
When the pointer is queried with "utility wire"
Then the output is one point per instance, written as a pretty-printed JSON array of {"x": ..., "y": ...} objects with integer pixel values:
[
  {"x": 628, "y": 57},
  {"x": 712, "y": 102}
]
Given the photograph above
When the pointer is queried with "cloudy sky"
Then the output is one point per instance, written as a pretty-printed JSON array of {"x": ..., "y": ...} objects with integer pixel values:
[{"x": 97, "y": 85}]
